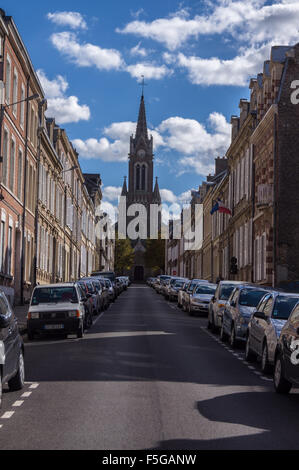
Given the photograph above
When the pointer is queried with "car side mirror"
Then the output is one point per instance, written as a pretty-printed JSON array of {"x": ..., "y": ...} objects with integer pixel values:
[
  {"x": 260, "y": 315},
  {"x": 213, "y": 298},
  {"x": 233, "y": 303},
  {"x": 4, "y": 321}
]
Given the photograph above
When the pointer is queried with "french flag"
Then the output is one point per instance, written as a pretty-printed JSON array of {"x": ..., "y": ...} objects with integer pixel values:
[{"x": 219, "y": 206}]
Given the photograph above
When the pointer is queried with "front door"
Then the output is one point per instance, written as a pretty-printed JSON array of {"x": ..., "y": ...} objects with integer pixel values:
[{"x": 138, "y": 273}]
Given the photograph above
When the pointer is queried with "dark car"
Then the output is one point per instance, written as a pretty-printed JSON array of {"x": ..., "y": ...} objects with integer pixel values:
[
  {"x": 286, "y": 366},
  {"x": 11, "y": 349}
]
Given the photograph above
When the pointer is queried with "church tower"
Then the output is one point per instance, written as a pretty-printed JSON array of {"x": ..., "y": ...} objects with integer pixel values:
[{"x": 140, "y": 184}]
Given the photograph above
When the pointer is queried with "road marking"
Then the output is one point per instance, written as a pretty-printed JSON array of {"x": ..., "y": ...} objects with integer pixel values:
[
  {"x": 18, "y": 403},
  {"x": 7, "y": 415},
  {"x": 239, "y": 356},
  {"x": 34, "y": 385},
  {"x": 26, "y": 394}
]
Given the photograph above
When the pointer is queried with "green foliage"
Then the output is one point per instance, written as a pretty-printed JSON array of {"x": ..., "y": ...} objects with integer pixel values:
[
  {"x": 124, "y": 255},
  {"x": 155, "y": 254}
]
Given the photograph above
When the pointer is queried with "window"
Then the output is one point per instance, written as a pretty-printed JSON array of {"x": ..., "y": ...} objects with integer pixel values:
[
  {"x": 20, "y": 173},
  {"x": 22, "y": 115},
  {"x": 250, "y": 297},
  {"x": 143, "y": 173},
  {"x": 5, "y": 157},
  {"x": 15, "y": 92},
  {"x": 2, "y": 240},
  {"x": 12, "y": 164},
  {"x": 9, "y": 250},
  {"x": 7, "y": 80},
  {"x": 138, "y": 177},
  {"x": 283, "y": 306},
  {"x": 268, "y": 307}
]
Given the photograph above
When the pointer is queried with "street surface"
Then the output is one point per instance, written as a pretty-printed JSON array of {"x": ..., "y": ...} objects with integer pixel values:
[{"x": 145, "y": 376}]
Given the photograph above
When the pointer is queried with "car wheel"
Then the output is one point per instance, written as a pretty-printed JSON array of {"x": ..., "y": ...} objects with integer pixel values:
[
  {"x": 17, "y": 381},
  {"x": 190, "y": 311},
  {"x": 30, "y": 335},
  {"x": 281, "y": 385},
  {"x": 265, "y": 365},
  {"x": 223, "y": 335},
  {"x": 232, "y": 338},
  {"x": 0, "y": 388},
  {"x": 249, "y": 354},
  {"x": 80, "y": 331}
]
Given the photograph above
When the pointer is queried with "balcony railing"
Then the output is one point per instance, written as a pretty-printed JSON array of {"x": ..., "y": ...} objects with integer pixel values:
[{"x": 264, "y": 194}]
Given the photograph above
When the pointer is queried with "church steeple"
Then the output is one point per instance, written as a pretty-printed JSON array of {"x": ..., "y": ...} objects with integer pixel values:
[
  {"x": 141, "y": 128},
  {"x": 156, "y": 194},
  {"x": 124, "y": 190}
]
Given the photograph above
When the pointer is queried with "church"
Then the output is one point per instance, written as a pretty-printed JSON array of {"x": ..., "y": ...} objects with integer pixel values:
[{"x": 140, "y": 187}]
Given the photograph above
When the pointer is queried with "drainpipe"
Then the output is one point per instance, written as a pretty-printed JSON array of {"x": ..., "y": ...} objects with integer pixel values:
[
  {"x": 274, "y": 281},
  {"x": 24, "y": 199}
]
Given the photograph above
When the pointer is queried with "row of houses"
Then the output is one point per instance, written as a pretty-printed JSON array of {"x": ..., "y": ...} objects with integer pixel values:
[
  {"x": 257, "y": 181},
  {"x": 48, "y": 207}
]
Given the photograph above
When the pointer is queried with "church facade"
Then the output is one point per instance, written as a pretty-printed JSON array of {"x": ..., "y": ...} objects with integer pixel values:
[{"x": 139, "y": 189}]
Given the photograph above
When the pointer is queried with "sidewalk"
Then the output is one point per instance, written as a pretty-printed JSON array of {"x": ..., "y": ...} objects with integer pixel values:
[{"x": 20, "y": 312}]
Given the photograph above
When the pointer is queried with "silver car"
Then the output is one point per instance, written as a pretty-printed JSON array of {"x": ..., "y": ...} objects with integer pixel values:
[
  {"x": 265, "y": 326},
  {"x": 189, "y": 290},
  {"x": 236, "y": 315},
  {"x": 218, "y": 302},
  {"x": 173, "y": 288},
  {"x": 181, "y": 292},
  {"x": 200, "y": 298}
]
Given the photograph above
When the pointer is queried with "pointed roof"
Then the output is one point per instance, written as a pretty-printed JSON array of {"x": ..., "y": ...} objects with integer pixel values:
[
  {"x": 124, "y": 190},
  {"x": 156, "y": 195},
  {"x": 141, "y": 128}
]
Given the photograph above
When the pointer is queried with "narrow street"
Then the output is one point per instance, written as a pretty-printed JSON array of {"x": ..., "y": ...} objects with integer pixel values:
[{"x": 145, "y": 376}]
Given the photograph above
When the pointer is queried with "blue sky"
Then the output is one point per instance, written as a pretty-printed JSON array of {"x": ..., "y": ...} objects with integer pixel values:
[{"x": 197, "y": 58}]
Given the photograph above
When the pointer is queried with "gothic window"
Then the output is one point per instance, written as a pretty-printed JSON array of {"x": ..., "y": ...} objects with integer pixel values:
[
  {"x": 137, "y": 177},
  {"x": 143, "y": 173}
]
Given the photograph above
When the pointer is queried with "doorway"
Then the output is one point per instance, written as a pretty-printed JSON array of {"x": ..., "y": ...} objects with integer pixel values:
[{"x": 138, "y": 273}]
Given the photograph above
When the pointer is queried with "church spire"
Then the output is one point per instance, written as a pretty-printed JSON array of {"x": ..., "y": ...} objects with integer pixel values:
[
  {"x": 124, "y": 190},
  {"x": 156, "y": 195},
  {"x": 141, "y": 129}
]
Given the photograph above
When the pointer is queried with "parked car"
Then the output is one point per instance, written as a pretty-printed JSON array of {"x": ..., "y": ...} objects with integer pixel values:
[
  {"x": 12, "y": 369},
  {"x": 265, "y": 326},
  {"x": 189, "y": 290},
  {"x": 105, "y": 293},
  {"x": 106, "y": 274},
  {"x": 165, "y": 286},
  {"x": 93, "y": 293},
  {"x": 56, "y": 308},
  {"x": 110, "y": 289},
  {"x": 173, "y": 289},
  {"x": 200, "y": 298},
  {"x": 88, "y": 303},
  {"x": 286, "y": 364},
  {"x": 237, "y": 312},
  {"x": 218, "y": 302},
  {"x": 162, "y": 279},
  {"x": 181, "y": 292}
]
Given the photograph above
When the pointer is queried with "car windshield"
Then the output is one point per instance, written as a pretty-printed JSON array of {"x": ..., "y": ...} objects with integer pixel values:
[
  {"x": 191, "y": 286},
  {"x": 205, "y": 290},
  {"x": 43, "y": 295},
  {"x": 283, "y": 306},
  {"x": 179, "y": 283},
  {"x": 250, "y": 297},
  {"x": 226, "y": 290}
]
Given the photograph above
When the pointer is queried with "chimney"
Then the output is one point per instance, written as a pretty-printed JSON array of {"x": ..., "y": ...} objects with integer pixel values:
[
  {"x": 244, "y": 110},
  {"x": 220, "y": 165},
  {"x": 235, "y": 121}
]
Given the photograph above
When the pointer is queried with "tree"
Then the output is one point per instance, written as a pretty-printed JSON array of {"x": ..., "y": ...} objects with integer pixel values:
[
  {"x": 155, "y": 254},
  {"x": 124, "y": 255}
]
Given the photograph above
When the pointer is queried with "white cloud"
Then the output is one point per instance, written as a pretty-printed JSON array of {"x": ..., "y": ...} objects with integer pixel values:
[
  {"x": 250, "y": 20},
  {"x": 196, "y": 143},
  {"x": 114, "y": 144},
  {"x": 167, "y": 195},
  {"x": 65, "y": 109},
  {"x": 148, "y": 70},
  {"x": 138, "y": 50},
  {"x": 72, "y": 19},
  {"x": 86, "y": 55},
  {"x": 215, "y": 71},
  {"x": 111, "y": 193}
]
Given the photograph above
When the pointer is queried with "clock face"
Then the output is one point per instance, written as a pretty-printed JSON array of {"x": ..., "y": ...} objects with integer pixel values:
[{"x": 141, "y": 153}]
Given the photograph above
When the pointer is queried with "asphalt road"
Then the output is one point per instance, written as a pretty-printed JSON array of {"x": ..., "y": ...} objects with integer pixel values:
[{"x": 145, "y": 376}]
